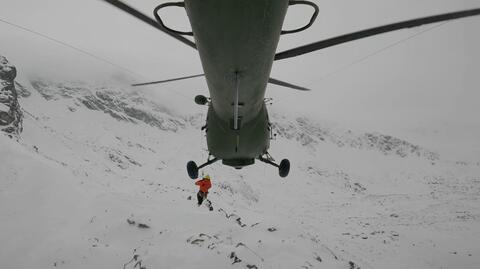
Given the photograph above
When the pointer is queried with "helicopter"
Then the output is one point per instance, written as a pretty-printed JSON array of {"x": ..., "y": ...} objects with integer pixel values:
[{"x": 237, "y": 42}]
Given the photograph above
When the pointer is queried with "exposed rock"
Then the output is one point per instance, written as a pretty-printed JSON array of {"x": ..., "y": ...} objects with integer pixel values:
[
  {"x": 143, "y": 226},
  {"x": 308, "y": 133},
  {"x": 119, "y": 104},
  {"x": 21, "y": 90},
  {"x": 235, "y": 259},
  {"x": 10, "y": 112}
]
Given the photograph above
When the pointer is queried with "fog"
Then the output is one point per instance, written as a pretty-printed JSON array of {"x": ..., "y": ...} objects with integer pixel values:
[{"x": 426, "y": 87}]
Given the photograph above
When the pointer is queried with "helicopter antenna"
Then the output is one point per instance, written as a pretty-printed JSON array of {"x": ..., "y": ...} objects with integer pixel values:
[
  {"x": 146, "y": 19},
  {"x": 139, "y": 15}
]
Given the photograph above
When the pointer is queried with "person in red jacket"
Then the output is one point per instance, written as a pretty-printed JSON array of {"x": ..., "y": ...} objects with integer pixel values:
[{"x": 204, "y": 185}]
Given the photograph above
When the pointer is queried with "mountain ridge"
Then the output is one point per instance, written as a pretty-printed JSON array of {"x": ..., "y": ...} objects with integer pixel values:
[
  {"x": 115, "y": 188},
  {"x": 132, "y": 107}
]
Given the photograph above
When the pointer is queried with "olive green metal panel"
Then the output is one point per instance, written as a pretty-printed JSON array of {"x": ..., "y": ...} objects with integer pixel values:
[
  {"x": 251, "y": 141},
  {"x": 237, "y": 40},
  {"x": 237, "y": 36}
]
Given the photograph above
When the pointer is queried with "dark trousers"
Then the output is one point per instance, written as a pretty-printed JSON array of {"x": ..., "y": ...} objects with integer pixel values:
[{"x": 201, "y": 196}]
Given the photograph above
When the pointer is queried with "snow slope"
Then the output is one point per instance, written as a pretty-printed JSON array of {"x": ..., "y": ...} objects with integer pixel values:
[{"x": 98, "y": 180}]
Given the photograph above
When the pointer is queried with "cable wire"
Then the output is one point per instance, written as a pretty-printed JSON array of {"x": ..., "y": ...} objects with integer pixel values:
[
  {"x": 62, "y": 43},
  {"x": 69, "y": 46}
]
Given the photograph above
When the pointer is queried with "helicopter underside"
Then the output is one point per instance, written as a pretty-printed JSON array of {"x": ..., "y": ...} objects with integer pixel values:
[
  {"x": 237, "y": 64},
  {"x": 249, "y": 141},
  {"x": 236, "y": 41}
]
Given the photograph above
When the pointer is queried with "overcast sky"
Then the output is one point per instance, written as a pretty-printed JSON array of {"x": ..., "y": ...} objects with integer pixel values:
[{"x": 427, "y": 86}]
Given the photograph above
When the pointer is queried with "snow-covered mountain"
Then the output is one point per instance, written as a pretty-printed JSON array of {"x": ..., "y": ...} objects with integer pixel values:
[{"x": 97, "y": 180}]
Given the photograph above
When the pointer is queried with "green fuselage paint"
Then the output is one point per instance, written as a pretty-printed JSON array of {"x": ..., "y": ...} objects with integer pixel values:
[{"x": 237, "y": 40}]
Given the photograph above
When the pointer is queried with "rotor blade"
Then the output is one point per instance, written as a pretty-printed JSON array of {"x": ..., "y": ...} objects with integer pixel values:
[
  {"x": 139, "y": 15},
  {"x": 285, "y": 84},
  {"x": 167, "y": 80},
  {"x": 374, "y": 31}
]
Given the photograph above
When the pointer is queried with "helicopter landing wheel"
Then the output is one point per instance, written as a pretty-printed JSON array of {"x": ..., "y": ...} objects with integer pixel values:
[
  {"x": 201, "y": 100},
  {"x": 284, "y": 168},
  {"x": 192, "y": 170}
]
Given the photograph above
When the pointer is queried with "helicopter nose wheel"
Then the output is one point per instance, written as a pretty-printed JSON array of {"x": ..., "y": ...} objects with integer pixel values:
[
  {"x": 192, "y": 170},
  {"x": 192, "y": 167},
  {"x": 201, "y": 100},
  {"x": 284, "y": 168}
]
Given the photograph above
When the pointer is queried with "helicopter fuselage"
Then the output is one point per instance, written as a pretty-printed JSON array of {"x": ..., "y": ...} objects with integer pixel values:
[
  {"x": 237, "y": 64},
  {"x": 237, "y": 40}
]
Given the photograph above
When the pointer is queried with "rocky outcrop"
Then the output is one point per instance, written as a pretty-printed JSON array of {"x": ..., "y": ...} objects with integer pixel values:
[
  {"x": 10, "y": 112},
  {"x": 121, "y": 105},
  {"x": 135, "y": 108},
  {"x": 311, "y": 134}
]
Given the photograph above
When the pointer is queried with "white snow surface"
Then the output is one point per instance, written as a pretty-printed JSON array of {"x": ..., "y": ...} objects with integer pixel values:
[{"x": 98, "y": 180}]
